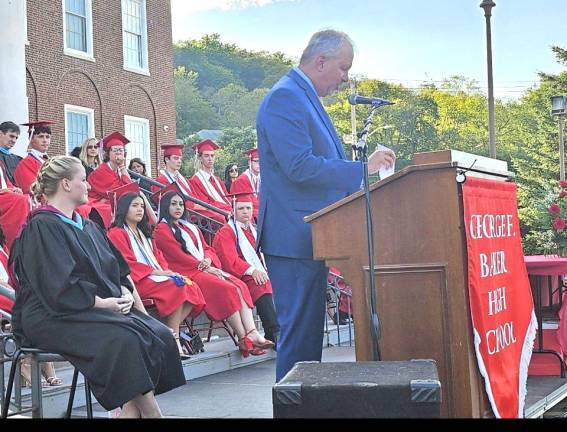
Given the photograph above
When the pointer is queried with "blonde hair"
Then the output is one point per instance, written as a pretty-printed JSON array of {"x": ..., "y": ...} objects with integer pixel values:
[
  {"x": 84, "y": 155},
  {"x": 52, "y": 172}
]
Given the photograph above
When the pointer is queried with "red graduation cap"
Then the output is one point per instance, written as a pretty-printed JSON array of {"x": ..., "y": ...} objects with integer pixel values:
[
  {"x": 114, "y": 195},
  {"x": 171, "y": 187},
  {"x": 241, "y": 197},
  {"x": 39, "y": 124},
  {"x": 114, "y": 139},
  {"x": 252, "y": 153},
  {"x": 206, "y": 145},
  {"x": 172, "y": 149}
]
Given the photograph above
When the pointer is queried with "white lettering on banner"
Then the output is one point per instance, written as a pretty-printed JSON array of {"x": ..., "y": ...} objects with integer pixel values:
[
  {"x": 496, "y": 301},
  {"x": 491, "y": 226},
  {"x": 500, "y": 338},
  {"x": 495, "y": 266}
]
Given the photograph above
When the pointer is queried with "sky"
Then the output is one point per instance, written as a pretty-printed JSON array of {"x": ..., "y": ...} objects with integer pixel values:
[{"x": 399, "y": 41}]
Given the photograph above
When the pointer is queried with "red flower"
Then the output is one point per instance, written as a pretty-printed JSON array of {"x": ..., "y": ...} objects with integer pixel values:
[
  {"x": 559, "y": 224},
  {"x": 563, "y": 183},
  {"x": 554, "y": 209},
  {"x": 562, "y": 194}
]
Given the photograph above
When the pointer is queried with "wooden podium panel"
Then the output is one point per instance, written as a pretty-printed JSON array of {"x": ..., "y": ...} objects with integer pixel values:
[{"x": 420, "y": 268}]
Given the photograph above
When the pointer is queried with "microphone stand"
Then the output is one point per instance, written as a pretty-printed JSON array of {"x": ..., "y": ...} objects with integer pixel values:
[{"x": 361, "y": 150}]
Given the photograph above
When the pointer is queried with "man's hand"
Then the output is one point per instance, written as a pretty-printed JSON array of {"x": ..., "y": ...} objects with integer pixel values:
[
  {"x": 259, "y": 277},
  {"x": 379, "y": 159}
]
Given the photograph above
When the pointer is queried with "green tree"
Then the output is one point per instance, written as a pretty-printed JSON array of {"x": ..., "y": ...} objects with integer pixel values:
[{"x": 193, "y": 112}]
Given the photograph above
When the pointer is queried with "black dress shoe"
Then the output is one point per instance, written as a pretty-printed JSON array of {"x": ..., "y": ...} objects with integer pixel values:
[{"x": 274, "y": 338}]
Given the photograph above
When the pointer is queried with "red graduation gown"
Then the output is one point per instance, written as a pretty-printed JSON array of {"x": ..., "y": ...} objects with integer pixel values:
[
  {"x": 242, "y": 184},
  {"x": 103, "y": 180},
  {"x": 14, "y": 210},
  {"x": 26, "y": 172},
  {"x": 201, "y": 193},
  {"x": 5, "y": 303},
  {"x": 190, "y": 205},
  {"x": 233, "y": 261},
  {"x": 221, "y": 295},
  {"x": 166, "y": 295}
]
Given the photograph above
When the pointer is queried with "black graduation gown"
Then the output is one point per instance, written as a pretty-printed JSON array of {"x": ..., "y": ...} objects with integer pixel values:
[
  {"x": 60, "y": 269},
  {"x": 10, "y": 161}
]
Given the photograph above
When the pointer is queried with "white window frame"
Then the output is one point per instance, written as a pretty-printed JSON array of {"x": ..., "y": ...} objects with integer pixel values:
[
  {"x": 144, "y": 70},
  {"x": 146, "y": 123},
  {"x": 79, "y": 110},
  {"x": 26, "y": 21},
  {"x": 89, "y": 55}
]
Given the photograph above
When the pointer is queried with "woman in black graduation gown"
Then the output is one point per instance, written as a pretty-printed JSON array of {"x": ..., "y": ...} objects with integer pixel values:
[{"x": 75, "y": 298}]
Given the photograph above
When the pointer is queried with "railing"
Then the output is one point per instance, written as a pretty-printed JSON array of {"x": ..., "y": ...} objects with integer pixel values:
[
  {"x": 207, "y": 225},
  {"x": 337, "y": 292}
]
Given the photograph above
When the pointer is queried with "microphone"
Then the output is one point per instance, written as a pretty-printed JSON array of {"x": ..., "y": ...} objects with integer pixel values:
[{"x": 355, "y": 99}]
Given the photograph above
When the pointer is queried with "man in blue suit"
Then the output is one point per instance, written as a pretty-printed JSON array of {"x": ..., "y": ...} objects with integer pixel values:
[{"x": 304, "y": 168}]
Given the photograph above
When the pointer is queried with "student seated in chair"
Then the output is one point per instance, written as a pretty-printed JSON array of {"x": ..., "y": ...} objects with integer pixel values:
[
  {"x": 175, "y": 296},
  {"x": 227, "y": 297}
]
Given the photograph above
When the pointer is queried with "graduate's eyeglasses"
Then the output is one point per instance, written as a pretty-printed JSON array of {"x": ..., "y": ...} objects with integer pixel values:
[
  {"x": 233, "y": 170},
  {"x": 255, "y": 160},
  {"x": 92, "y": 147},
  {"x": 118, "y": 150}
]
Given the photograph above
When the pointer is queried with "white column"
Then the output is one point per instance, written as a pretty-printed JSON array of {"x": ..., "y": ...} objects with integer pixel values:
[{"x": 13, "y": 94}]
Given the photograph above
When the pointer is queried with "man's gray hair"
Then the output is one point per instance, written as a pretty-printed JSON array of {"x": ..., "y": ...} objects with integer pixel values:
[{"x": 325, "y": 42}]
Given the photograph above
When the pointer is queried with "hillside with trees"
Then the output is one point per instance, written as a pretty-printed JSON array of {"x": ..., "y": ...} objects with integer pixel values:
[{"x": 220, "y": 86}]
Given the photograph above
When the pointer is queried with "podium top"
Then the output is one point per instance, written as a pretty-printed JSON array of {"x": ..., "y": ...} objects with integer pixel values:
[
  {"x": 461, "y": 159},
  {"x": 474, "y": 165}
]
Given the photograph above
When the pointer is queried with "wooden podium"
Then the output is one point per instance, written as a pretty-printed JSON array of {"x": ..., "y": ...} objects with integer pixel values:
[{"x": 420, "y": 268}]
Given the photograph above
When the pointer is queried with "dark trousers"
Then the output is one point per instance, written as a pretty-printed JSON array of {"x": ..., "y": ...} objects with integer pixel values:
[
  {"x": 267, "y": 312},
  {"x": 299, "y": 287}
]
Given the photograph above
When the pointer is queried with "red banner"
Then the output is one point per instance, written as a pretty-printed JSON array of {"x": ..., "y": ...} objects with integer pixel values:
[{"x": 502, "y": 310}]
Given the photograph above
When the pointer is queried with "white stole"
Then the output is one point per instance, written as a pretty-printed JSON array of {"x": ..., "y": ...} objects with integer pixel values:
[
  {"x": 3, "y": 271},
  {"x": 180, "y": 180},
  {"x": 196, "y": 250},
  {"x": 254, "y": 181},
  {"x": 210, "y": 189},
  {"x": 3, "y": 183},
  {"x": 250, "y": 255},
  {"x": 145, "y": 256}
]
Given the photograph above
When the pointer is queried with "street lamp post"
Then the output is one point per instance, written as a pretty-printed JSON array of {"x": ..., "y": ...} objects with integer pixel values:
[
  {"x": 559, "y": 107},
  {"x": 487, "y": 5}
]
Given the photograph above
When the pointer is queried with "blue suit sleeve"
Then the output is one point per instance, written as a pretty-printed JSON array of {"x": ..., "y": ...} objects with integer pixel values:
[{"x": 286, "y": 129}]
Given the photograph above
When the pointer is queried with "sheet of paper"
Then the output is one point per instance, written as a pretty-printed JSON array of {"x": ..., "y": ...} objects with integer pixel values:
[{"x": 386, "y": 172}]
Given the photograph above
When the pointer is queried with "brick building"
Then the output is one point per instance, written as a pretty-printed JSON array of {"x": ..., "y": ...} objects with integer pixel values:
[{"x": 95, "y": 66}]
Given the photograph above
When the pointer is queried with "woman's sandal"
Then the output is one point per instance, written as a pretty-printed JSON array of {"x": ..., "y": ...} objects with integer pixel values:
[
  {"x": 54, "y": 381},
  {"x": 26, "y": 382},
  {"x": 262, "y": 346}
]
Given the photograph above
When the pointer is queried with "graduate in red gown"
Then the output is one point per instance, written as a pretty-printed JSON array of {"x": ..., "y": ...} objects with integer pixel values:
[
  {"x": 40, "y": 138},
  {"x": 205, "y": 184},
  {"x": 227, "y": 297},
  {"x": 111, "y": 174},
  {"x": 249, "y": 180},
  {"x": 175, "y": 296},
  {"x": 235, "y": 245},
  {"x": 14, "y": 207},
  {"x": 5, "y": 303},
  {"x": 173, "y": 160}
]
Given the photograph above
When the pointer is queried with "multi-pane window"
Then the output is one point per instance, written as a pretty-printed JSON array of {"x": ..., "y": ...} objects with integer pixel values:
[
  {"x": 134, "y": 33},
  {"x": 79, "y": 125},
  {"x": 78, "y": 26},
  {"x": 137, "y": 130}
]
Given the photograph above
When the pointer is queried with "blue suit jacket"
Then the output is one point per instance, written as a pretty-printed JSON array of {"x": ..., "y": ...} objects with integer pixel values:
[{"x": 303, "y": 166}]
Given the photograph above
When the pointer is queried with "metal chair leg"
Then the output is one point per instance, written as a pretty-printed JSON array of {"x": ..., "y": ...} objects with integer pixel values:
[
  {"x": 13, "y": 368},
  {"x": 72, "y": 394},
  {"x": 88, "y": 399}
]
